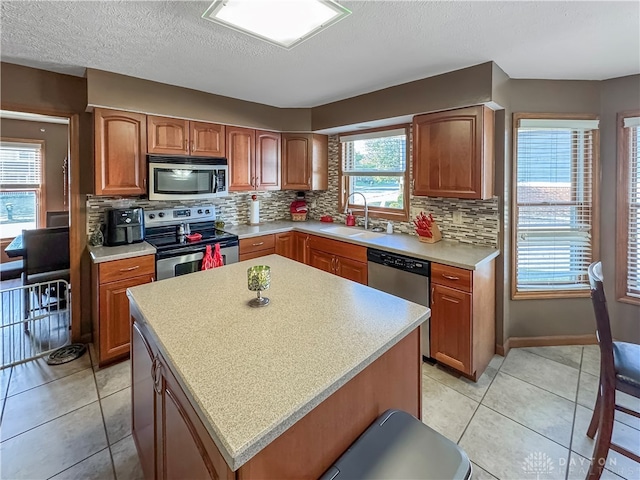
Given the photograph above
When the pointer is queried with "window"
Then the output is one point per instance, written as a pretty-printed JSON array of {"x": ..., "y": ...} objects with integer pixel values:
[
  {"x": 374, "y": 163},
  {"x": 628, "y": 241},
  {"x": 21, "y": 186},
  {"x": 554, "y": 198}
]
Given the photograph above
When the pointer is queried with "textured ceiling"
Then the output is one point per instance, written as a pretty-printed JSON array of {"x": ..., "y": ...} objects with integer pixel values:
[{"x": 382, "y": 43}]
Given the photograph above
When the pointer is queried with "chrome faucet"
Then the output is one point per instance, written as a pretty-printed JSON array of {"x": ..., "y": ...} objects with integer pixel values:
[{"x": 366, "y": 209}]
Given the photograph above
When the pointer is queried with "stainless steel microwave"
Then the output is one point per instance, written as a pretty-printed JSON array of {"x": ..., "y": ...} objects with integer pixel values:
[{"x": 187, "y": 178}]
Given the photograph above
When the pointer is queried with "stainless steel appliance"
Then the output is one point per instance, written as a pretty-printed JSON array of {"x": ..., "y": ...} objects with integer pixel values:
[
  {"x": 186, "y": 178},
  {"x": 124, "y": 226},
  {"x": 404, "y": 277},
  {"x": 167, "y": 230}
]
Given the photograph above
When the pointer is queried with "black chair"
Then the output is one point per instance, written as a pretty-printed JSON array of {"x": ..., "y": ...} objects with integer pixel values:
[
  {"x": 46, "y": 260},
  {"x": 57, "y": 219},
  {"x": 619, "y": 371}
]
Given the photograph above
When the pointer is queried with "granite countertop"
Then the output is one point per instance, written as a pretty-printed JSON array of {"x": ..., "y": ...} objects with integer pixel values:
[
  {"x": 107, "y": 254},
  {"x": 447, "y": 252},
  {"x": 253, "y": 373}
]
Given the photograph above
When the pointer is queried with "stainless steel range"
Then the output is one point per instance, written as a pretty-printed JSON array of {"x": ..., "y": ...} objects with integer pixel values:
[{"x": 169, "y": 230}]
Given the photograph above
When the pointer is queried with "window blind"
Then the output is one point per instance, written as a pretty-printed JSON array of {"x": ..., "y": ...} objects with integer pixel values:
[
  {"x": 633, "y": 215},
  {"x": 20, "y": 164},
  {"x": 554, "y": 204}
]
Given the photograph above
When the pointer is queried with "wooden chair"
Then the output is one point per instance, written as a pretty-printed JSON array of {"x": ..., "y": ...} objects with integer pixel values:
[
  {"x": 46, "y": 260},
  {"x": 619, "y": 370}
]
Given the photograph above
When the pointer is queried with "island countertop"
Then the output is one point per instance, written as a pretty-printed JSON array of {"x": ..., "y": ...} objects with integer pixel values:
[{"x": 254, "y": 372}]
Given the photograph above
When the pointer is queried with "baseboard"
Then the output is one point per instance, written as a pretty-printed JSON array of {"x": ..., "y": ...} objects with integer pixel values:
[
  {"x": 503, "y": 349},
  {"x": 86, "y": 338},
  {"x": 552, "y": 341}
]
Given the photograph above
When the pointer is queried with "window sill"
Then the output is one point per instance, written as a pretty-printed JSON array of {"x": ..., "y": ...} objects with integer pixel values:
[
  {"x": 629, "y": 300},
  {"x": 551, "y": 294}
]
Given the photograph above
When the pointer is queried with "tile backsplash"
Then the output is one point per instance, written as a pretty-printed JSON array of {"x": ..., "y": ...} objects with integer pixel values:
[{"x": 479, "y": 218}]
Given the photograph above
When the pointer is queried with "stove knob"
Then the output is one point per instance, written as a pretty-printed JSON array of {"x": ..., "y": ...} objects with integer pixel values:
[
  {"x": 161, "y": 214},
  {"x": 199, "y": 211},
  {"x": 152, "y": 216},
  {"x": 207, "y": 211}
]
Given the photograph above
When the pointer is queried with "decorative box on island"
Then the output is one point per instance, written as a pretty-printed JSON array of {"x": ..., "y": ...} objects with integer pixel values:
[{"x": 427, "y": 228}]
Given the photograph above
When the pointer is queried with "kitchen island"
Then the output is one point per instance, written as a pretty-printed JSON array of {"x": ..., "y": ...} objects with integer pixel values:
[{"x": 224, "y": 390}]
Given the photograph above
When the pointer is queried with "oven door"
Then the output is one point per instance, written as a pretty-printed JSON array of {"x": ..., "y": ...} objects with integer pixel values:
[{"x": 190, "y": 263}]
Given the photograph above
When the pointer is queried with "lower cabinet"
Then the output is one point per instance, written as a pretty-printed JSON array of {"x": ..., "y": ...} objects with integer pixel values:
[
  {"x": 111, "y": 319},
  {"x": 285, "y": 245},
  {"x": 301, "y": 247},
  {"x": 463, "y": 317},
  {"x": 340, "y": 258},
  {"x": 179, "y": 446}
]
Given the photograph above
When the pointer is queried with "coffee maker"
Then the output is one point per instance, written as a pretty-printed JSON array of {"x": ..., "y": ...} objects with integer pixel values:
[{"x": 124, "y": 226}]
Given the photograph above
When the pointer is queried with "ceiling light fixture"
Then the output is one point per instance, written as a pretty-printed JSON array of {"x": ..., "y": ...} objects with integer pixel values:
[{"x": 285, "y": 23}]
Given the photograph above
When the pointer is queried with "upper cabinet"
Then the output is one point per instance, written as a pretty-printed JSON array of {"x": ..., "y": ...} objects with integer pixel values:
[
  {"x": 304, "y": 161},
  {"x": 120, "y": 142},
  {"x": 174, "y": 136},
  {"x": 453, "y": 153},
  {"x": 254, "y": 159}
]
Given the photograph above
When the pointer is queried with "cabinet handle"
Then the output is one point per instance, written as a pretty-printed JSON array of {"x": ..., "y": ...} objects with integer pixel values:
[
  {"x": 129, "y": 269},
  {"x": 186, "y": 144},
  {"x": 257, "y": 244},
  {"x": 450, "y": 277},
  {"x": 193, "y": 146},
  {"x": 413, "y": 184},
  {"x": 433, "y": 298},
  {"x": 144, "y": 183},
  {"x": 157, "y": 379},
  {"x": 257, "y": 182},
  {"x": 309, "y": 181}
]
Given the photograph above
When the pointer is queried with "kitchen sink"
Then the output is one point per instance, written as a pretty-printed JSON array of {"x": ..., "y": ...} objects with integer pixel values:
[{"x": 352, "y": 232}]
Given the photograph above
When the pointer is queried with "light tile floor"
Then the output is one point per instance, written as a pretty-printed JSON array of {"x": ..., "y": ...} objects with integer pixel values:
[{"x": 525, "y": 418}]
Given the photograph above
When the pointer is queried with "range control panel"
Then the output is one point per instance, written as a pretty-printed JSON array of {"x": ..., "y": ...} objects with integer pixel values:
[{"x": 171, "y": 216}]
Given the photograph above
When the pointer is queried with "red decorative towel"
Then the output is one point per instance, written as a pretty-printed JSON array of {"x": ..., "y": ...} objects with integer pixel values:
[
  {"x": 208, "y": 260},
  {"x": 217, "y": 257}
]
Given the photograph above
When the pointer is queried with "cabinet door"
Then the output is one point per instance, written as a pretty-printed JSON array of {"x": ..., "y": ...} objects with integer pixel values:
[
  {"x": 143, "y": 401},
  {"x": 168, "y": 135},
  {"x": 285, "y": 245},
  {"x": 451, "y": 327},
  {"x": 301, "y": 247},
  {"x": 120, "y": 152},
  {"x": 448, "y": 155},
  {"x": 296, "y": 161},
  {"x": 185, "y": 448},
  {"x": 241, "y": 157},
  {"x": 115, "y": 323},
  {"x": 267, "y": 169},
  {"x": 351, "y": 270},
  {"x": 207, "y": 139},
  {"x": 322, "y": 260}
]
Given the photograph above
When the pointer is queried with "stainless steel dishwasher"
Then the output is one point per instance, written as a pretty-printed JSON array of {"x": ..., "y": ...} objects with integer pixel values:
[{"x": 404, "y": 277}]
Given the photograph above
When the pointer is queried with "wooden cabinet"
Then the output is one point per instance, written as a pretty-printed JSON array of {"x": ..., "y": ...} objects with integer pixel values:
[
  {"x": 301, "y": 247},
  {"x": 169, "y": 435},
  {"x": 463, "y": 317},
  {"x": 304, "y": 161},
  {"x": 255, "y": 247},
  {"x": 174, "y": 136},
  {"x": 254, "y": 159},
  {"x": 111, "y": 319},
  {"x": 285, "y": 245},
  {"x": 340, "y": 258},
  {"x": 453, "y": 153},
  {"x": 120, "y": 148}
]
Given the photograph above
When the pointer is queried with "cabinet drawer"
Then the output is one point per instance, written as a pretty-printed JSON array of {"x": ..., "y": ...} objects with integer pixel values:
[
  {"x": 255, "y": 244},
  {"x": 127, "y": 268},
  {"x": 451, "y": 276},
  {"x": 336, "y": 247}
]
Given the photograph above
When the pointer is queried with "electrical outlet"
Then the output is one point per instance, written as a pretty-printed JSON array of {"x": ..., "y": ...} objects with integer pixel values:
[
  {"x": 457, "y": 218},
  {"x": 314, "y": 203}
]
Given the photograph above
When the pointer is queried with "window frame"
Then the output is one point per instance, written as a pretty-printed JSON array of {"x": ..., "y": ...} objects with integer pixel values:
[
  {"x": 595, "y": 201},
  {"x": 41, "y": 190},
  {"x": 394, "y": 214},
  {"x": 622, "y": 207}
]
